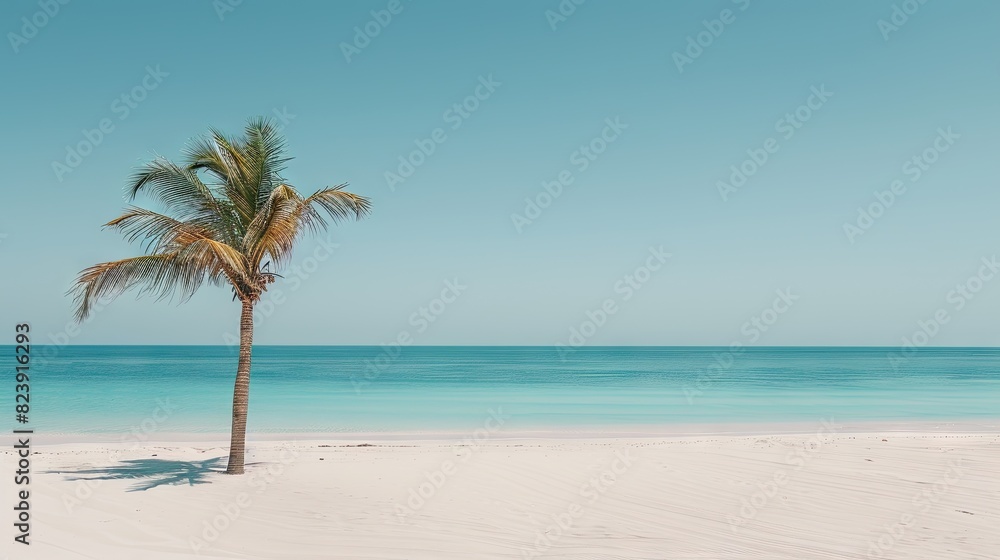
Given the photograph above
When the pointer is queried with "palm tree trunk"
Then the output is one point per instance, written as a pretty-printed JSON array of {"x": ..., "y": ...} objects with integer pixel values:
[{"x": 241, "y": 393}]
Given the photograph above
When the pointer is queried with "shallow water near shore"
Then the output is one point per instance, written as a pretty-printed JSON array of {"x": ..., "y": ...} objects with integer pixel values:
[{"x": 186, "y": 389}]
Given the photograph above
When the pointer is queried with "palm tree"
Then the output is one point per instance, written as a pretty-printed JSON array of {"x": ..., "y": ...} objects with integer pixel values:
[{"x": 228, "y": 217}]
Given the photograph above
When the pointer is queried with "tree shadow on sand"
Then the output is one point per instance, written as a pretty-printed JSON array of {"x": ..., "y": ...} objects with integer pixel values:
[{"x": 152, "y": 472}]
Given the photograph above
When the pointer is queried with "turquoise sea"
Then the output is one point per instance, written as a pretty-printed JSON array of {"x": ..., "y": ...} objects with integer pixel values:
[{"x": 111, "y": 389}]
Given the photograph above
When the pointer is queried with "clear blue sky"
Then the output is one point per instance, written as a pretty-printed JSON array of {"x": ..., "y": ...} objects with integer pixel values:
[{"x": 656, "y": 183}]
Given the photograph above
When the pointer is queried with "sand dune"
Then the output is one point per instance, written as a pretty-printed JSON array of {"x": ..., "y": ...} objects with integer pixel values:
[{"x": 823, "y": 495}]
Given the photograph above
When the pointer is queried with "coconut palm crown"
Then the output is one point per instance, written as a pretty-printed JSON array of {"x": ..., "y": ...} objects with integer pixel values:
[{"x": 229, "y": 218}]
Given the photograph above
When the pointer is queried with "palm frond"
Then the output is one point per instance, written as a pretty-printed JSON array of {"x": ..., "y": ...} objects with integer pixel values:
[
  {"x": 223, "y": 160},
  {"x": 220, "y": 259},
  {"x": 239, "y": 186},
  {"x": 159, "y": 233},
  {"x": 265, "y": 150},
  {"x": 183, "y": 194},
  {"x": 337, "y": 203},
  {"x": 161, "y": 274},
  {"x": 276, "y": 227}
]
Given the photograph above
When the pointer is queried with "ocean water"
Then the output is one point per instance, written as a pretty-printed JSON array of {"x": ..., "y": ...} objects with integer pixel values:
[{"x": 114, "y": 389}]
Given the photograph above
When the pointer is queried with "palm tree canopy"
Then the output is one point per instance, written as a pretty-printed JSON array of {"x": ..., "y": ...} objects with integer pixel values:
[{"x": 226, "y": 211}]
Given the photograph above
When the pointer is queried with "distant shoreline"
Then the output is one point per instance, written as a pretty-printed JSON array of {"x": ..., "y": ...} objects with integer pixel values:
[{"x": 663, "y": 431}]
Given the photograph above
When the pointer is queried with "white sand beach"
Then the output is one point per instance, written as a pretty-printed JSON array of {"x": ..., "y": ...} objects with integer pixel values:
[{"x": 823, "y": 495}]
